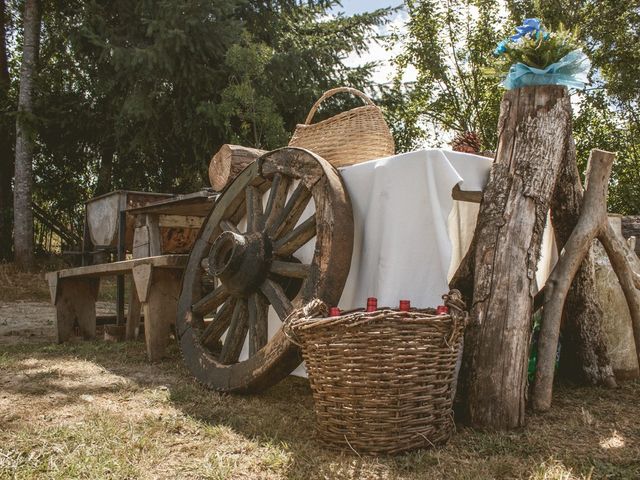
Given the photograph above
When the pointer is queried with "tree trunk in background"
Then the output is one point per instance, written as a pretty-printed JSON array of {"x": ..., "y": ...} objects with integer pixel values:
[
  {"x": 105, "y": 172},
  {"x": 584, "y": 355},
  {"x": 6, "y": 151},
  {"x": 23, "y": 180},
  {"x": 493, "y": 379}
]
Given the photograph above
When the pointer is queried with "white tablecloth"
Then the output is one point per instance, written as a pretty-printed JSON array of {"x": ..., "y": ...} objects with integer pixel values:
[
  {"x": 401, "y": 208},
  {"x": 409, "y": 233}
]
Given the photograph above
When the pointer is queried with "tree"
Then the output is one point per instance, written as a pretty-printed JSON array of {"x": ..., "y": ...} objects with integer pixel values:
[
  {"x": 6, "y": 140},
  {"x": 450, "y": 45},
  {"x": 608, "y": 117},
  {"x": 23, "y": 179},
  {"x": 140, "y": 94}
]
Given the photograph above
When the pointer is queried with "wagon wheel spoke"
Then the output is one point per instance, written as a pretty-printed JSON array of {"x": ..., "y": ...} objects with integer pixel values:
[
  {"x": 221, "y": 320},
  {"x": 277, "y": 298},
  {"x": 226, "y": 225},
  {"x": 290, "y": 269},
  {"x": 211, "y": 301},
  {"x": 291, "y": 212},
  {"x": 296, "y": 238},
  {"x": 258, "y": 322},
  {"x": 236, "y": 334},
  {"x": 277, "y": 198},
  {"x": 254, "y": 209}
]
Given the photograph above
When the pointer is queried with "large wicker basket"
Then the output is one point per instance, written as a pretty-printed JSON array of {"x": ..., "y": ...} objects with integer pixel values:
[
  {"x": 351, "y": 137},
  {"x": 382, "y": 381}
]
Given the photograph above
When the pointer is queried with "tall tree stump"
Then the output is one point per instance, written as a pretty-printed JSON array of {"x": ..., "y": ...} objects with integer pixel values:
[{"x": 533, "y": 122}]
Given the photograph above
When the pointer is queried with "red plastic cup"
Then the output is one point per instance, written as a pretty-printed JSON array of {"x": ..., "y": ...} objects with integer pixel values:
[
  {"x": 334, "y": 312},
  {"x": 405, "y": 305}
]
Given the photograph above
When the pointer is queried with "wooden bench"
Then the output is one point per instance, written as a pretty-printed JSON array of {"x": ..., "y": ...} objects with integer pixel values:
[{"x": 74, "y": 292}]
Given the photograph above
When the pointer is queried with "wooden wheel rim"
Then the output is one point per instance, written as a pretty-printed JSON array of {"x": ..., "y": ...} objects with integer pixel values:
[{"x": 327, "y": 272}]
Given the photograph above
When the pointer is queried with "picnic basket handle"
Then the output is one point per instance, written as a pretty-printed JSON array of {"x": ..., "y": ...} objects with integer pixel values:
[{"x": 331, "y": 93}]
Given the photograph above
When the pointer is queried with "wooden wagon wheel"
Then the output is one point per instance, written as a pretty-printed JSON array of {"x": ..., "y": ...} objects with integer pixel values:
[{"x": 255, "y": 267}]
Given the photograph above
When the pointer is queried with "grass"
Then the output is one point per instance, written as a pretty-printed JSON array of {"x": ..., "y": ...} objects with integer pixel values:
[{"x": 98, "y": 410}]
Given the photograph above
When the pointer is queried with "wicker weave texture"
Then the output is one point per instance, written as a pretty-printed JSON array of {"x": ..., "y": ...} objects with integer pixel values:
[
  {"x": 350, "y": 137},
  {"x": 382, "y": 381}
]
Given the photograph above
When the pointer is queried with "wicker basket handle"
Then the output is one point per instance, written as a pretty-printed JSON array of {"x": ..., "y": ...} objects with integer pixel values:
[{"x": 331, "y": 93}]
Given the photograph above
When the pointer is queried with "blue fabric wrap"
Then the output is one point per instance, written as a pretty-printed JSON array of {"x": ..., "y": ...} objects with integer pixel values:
[{"x": 571, "y": 70}]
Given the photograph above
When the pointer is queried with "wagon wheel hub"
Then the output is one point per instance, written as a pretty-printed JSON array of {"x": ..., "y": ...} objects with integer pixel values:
[{"x": 241, "y": 262}]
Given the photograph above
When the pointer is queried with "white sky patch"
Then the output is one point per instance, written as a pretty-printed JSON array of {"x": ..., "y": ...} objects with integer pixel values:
[{"x": 381, "y": 53}]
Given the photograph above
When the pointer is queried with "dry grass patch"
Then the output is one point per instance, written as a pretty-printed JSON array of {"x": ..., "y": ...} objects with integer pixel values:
[{"x": 97, "y": 410}]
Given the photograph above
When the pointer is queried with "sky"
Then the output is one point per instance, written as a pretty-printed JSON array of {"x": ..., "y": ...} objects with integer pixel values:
[{"x": 378, "y": 52}]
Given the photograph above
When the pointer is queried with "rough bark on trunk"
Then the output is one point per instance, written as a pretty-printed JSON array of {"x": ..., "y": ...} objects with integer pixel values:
[
  {"x": 584, "y": 354},
  {"x": 6, "y": 152},
  {"x": 593, "y": 223},
  {"x": 533, "y": 122},
  {"x": 23, "y": 179}
]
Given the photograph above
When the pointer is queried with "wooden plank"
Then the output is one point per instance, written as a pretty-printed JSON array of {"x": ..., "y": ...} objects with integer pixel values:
[
  {"x": 291, "y": 212},
  {"x": 236, "y": 334},
  {"x": 76, "y": 305},
  {"x": 197, "y": 204},
  {"x": 258, "y": 323},
  {"x": 142, "y": 277},
  {"x": 253, "y": 203},
  {"x": 277, "y": 298},
  {"x": 179, "y": 221},
  {"x": 141, "y": 242},
  {"x": 473, "y": 196},
  {"x": 155, "y": 238},
  {"x": 133, "y": 315},
  {"x": 125, "y": 266},
  {"x": 219, "y": 324},
  {"x": 160, "y": 311},
  {"x": 296, "y": 238},
  {"x": 277, "y": 198},
  {"x": 290, "y": 269},
  {"x": 211, "y": 301}
]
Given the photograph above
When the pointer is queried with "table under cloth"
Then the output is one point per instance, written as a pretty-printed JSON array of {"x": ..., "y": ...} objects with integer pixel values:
[{"x": 409, "y": 233}]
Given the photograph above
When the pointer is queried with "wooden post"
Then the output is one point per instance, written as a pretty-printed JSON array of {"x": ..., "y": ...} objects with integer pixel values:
[
  {"x": 533, "y": 122},
  {"x": 584, "y": 356},
  {"x": 75, "y": 301},
  {"x": 158, "y": 290},
  {"x": 593, "y": 223}
]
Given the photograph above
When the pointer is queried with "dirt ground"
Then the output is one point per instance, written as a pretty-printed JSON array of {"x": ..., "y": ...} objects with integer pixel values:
[
  {"x": 33, "y": 322},
  {"x": 101, "y": 410}
]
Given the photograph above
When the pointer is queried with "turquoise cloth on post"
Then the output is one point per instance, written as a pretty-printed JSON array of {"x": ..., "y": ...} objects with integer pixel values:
[{"x": 571, "y": 70}]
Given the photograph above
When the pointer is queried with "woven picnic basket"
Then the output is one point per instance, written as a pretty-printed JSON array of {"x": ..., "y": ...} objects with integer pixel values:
[
  {"x": 350, "y": 137},
  {"x": 381, "y": 381}
]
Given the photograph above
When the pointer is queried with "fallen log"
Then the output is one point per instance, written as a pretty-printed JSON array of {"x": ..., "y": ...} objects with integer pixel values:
[
  {"x": 228, "y": 162},
  {"x": 592, "y": 223}
]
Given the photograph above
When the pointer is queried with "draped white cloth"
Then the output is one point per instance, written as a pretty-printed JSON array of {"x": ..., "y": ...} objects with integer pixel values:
[{"x": 409, "y": 233}]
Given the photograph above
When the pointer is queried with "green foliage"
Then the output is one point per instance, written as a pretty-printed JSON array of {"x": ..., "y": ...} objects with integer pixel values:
[
  {"x": 539, "y": 50},
  {"x": 140, "y": 94},
  {"x": 250, "y": 118},
  {"x": 607, "y": 116},
  {"x": 450, "y": 45}
]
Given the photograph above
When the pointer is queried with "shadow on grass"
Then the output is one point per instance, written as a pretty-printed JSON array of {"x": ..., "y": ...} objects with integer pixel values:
[{"x": 566, "y": 441}]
